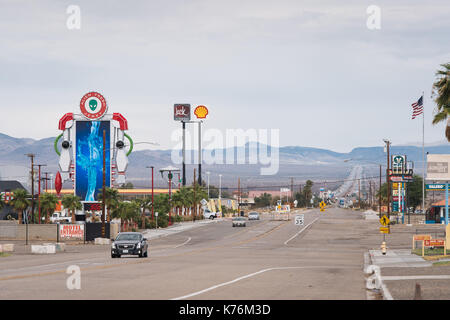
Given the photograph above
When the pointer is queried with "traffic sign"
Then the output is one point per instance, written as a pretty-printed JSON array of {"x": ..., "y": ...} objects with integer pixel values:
[
  {"x": 322, "y": 206},
  {"x": 299, "y": 219},
  {"x": 384, "y": 229},
  {"x": 384, "y": 220}
]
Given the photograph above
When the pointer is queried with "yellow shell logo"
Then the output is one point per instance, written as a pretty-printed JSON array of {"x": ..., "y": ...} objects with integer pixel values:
[{"x": 201, "y": 112}]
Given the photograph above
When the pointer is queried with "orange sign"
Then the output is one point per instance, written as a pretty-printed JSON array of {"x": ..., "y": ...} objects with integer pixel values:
[
  {"x": 434, "y": 243},
  {"x": 201, "y": 112},
  {"x": 421, "y": 237}
]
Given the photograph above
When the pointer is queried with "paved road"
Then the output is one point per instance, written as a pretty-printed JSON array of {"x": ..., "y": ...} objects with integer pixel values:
[{"x": 265, "y": 260}]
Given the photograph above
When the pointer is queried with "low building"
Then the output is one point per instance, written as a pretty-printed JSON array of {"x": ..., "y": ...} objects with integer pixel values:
[{"x": 6, "y": 189}]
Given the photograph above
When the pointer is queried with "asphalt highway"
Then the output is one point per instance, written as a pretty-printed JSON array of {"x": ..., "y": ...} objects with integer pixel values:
[{"x": 323, "y": 259}]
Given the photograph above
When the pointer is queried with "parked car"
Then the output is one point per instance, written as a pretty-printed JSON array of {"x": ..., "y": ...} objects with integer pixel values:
[
  {"x": 58, "y": 217},
  {"x": 253, "y": 216},
  {"x": 129, "y": 243},
  {"x": 209, "y": 215},
  {"x": 239, "y": 222}
]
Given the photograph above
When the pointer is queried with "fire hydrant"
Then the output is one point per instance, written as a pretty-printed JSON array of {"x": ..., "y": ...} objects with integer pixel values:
[{"x": 383, "y": 248}]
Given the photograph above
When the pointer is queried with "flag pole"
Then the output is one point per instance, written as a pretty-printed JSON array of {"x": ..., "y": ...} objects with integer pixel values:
[{"x": 423, "y": 152}]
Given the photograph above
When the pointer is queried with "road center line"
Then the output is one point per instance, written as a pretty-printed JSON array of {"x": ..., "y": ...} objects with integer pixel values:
[
  {"x": 422, "y": 277},
  {"x": 189, "y": 239},
  {"x": 295, "y": 235}
]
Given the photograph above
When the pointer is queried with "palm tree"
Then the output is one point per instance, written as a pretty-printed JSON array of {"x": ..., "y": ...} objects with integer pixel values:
[
  {"x": 20, "y": 202},
  {"x": 48, "y": 204},
  {"x": 144, "y": 204},
  {"x": 441, "y": 93},
  {"x": 2, "y": 202},
  {"x": 111, "y": 200},
  {"x": 72, "y": 203}
]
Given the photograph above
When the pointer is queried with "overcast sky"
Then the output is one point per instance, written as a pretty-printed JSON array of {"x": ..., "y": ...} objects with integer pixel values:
[{"x": 310, "y": 68}]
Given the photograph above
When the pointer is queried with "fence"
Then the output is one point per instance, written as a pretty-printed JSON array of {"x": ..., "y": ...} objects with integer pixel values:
[{"x": 11, "y": 230}]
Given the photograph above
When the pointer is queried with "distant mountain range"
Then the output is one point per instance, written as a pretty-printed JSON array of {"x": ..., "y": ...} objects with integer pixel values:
[{"x": 300, "y": 163}]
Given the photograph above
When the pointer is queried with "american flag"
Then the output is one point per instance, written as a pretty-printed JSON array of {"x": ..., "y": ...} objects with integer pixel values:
[{"x": 417, "y": 107}]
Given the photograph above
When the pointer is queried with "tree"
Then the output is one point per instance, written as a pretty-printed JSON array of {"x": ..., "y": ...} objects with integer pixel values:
[
  {"x": 48, "y": 204},
  {"x": 144, "y": 204},
  {"x": 111, "y": 200},
  {"x": 264, "y": 200},
  {"x": 20, "y": 202},
  {"x": 441, "y": 93},
  {"x": 126, "y": 212},
  {"x": 72, "y": 203},
  {"x": 127, "y": 185},
  {"x": 304, "y": 197},
  {"x": 413, "y": 192}
]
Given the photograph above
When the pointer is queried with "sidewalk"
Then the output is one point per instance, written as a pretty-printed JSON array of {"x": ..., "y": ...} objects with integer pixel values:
[
  {"x": 398, "y": 258},
  {"x": 176, "y": 228}
]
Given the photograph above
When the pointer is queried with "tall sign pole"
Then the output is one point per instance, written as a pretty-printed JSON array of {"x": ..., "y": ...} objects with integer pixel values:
[
  {"x": 423, "y": 157},
  {"x": 104, "y": 184},
  {"x": 184, "y": 153},
  {"x": 199, "y": 153}
]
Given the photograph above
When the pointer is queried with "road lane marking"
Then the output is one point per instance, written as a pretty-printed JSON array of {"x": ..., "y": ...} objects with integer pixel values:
[
  {"x": 295, "y": 235},
  {"x": 422, "y": 277},
  {"x": 244, "y": 277},
  {"x": 189, "y": 239}
]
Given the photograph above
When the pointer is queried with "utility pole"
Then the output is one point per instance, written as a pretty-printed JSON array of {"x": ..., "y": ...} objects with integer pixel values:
[
  {"x": 359, "y": 193},
  {"x": 152, "y": 167},
  {"x": 379, "y": 195},
  {"x": 292, "y": 191},
  {"x": 31, "y": 156},
  {"x": 104, "y": 184},
  {"x": 184, "y": 153},
  {"x": 46, "y": 181},
  {"x": 388, "y": 144},
  {"x": 239, "y": 196},
  {"x": 39, "y": 188}
]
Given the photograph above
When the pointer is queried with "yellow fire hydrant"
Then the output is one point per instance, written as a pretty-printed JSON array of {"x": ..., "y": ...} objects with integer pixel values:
[{"x": 383, "y": 248}]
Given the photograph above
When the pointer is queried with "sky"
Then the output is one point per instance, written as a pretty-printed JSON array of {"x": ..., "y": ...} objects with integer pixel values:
[{"x": 312, "y": 69}]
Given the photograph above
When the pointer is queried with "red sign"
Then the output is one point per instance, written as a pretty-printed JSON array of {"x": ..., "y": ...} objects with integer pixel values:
[
  {"x": 73, "y": 231},
  {"x": 434, "y": 243},
  {"x": 182, "y": 112},
  {"x": 93, "y": 105}
]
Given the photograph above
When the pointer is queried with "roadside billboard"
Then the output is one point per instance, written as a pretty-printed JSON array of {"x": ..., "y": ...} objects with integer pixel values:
[
  {"x": 182, "y": 112},
  {"x": 438, "y": 167}
]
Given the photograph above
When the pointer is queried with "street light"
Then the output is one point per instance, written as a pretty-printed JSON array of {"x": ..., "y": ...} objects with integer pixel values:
[
  {"x": 169, "y": 169},
  {"x": 207, "y": 172},
  {"x": 220, "y": 186},
  {"x": 152, "y": 167}
]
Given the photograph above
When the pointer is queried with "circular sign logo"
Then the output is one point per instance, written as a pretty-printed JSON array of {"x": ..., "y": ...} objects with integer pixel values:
[
  {"x": 201, "y": 112},
  {"x": 93, "y": 105}
]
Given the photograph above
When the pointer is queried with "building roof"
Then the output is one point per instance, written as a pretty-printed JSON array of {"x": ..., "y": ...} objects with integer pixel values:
[
  {"x": 10, "y": 185},
  {"x": 123, "y": 191},
  {"x": 440, "y": 203}
]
